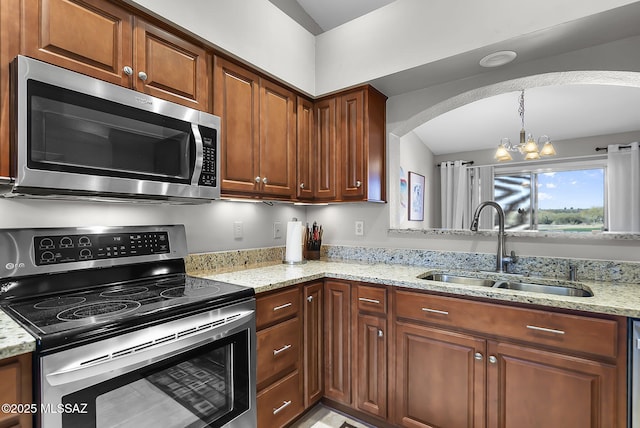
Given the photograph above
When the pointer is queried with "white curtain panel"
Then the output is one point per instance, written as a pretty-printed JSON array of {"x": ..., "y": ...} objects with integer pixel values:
[
  {"x": 481, "y": 189},
  {"x": 623, "y": 170},
  {"x": 454, "y": 194}
]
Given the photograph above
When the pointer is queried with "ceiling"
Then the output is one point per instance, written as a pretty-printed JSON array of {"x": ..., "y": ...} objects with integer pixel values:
[
  {"x": 561, "y": 112},
  {"x": 320, "y": 16}
]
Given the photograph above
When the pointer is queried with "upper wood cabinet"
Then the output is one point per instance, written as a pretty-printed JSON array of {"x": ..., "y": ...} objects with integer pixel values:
[
  {"x": 258, "y": 135},
  {"x": 362, "y": 116},
  {"x": 109, "y": 43},
  {"x": 9, "y": 48},
  {"x": 306, "y": 152},
  {"x": 326, "y": 150}
]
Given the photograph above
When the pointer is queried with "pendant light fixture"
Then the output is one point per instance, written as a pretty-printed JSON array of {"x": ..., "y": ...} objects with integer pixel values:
[{"x": 527, "y": 145}]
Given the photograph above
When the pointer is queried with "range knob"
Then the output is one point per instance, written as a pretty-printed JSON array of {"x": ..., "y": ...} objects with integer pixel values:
[
  {"x": 85, "y": 254},
  {"x": 46, "y": 243},
  {"x": 66, "y": 242},
  {"x": 84, "y": 241},
  {"x": 47, "y": 257}
]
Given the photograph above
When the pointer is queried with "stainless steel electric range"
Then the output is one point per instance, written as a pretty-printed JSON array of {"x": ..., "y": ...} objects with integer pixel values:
[{"x": 124, "y": 337}]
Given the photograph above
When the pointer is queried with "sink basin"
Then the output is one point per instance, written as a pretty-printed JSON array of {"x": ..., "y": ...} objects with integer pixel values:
[
  {"x": 556, "y": 287},
  {"x": 465, "y": 280},
  {"x": 544, "y": 288}
]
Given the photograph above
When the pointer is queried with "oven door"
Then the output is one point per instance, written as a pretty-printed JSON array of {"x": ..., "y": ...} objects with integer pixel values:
[{"x": 186, "y": 373}]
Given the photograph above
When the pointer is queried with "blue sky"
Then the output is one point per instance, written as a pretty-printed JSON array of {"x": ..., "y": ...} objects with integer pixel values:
[{"x": 566, "y": 189}]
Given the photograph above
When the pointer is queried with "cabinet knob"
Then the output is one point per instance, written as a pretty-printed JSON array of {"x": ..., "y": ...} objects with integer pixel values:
[
  {"x": 358, "y": 183},
  {"x": 478, "y": 356},
  {"x": 264, "y": 180},
  {"x": 493, "y": 359},
  {"x": 302, "y": 185},
  {"x": 127, "y": 70},
  {"x": 310, "y": 299},
  {"x": 380, "y": 333},
  {"x": 142, "y": 76},
  {"x": 257, "y": 179}
]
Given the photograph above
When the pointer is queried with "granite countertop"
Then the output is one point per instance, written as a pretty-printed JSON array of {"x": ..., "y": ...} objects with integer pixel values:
[
  {"x": 14, "y": 340},
  {"x": 613, "y": 298},
  {"x": 609, "y": 297}
]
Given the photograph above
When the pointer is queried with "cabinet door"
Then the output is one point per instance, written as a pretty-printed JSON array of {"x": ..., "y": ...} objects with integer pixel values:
[
  {"x": 169, "y": 67},
  {"x": 337, "y": 341},
  {"x": 372, "y": 365},
  {"x": 9, "y": 48},
  {"x": 440, "y": 378},
  {"x": 352, "y": 142},
  {"x": 92, "y": 37},
  {"x": 15, "y": 388},
  {"x": 307, "y": 157},
  {"x": 326, "y": 177},
  {"x": 313, "y": 343},
  {"x": 277, "y": 140},
  {"x": 530, "y": 388},
  {"x": 236, "y": 101}
]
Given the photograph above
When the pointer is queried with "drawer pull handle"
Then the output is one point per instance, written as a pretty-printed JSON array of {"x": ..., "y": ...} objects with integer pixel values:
[
  {"x": 435, "y": 311},
  {"x": 286, "y": 305},
  {"x": 281, "y": 408},
  {"x": 546, "y": 330},
  {"x": 284, "y": 348},
  {"x": 364, "y": 299}
]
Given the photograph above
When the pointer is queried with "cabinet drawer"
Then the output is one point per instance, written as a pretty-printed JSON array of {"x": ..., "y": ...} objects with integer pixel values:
[
  {"x": 371, "y": 299},
  {"x": 277, "y": 307},
  {"x": 441, "y": 310},
  {"x": 280, "y": 403},
  {"x": 571, "y": 332},
  {"x": 278, "y": 351}
]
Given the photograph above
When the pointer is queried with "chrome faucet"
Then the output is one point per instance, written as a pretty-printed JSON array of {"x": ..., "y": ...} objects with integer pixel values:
[{"x": 502, "y": 259}]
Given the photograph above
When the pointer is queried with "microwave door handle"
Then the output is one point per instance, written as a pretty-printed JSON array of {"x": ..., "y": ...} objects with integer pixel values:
[{"x": 197, "y": 168}]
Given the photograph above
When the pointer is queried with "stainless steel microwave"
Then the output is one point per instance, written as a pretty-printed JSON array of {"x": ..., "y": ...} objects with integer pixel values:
[{"x": 76, "y": 135}]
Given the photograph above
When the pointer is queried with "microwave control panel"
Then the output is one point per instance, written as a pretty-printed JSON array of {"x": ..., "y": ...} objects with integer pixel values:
[
  {"x": 79, "y": 248},
  {"x": 209, "y": 142}
]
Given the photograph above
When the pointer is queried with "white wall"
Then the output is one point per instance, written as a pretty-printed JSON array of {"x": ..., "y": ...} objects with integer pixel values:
[
  {"x": 209, "y": 226},
  {"x": 255, "y": 31},
  {"x": 409, "y": 33}
]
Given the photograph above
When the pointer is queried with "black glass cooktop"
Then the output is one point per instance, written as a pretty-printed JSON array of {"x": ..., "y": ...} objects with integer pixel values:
[{"x": 73, "y": 315}]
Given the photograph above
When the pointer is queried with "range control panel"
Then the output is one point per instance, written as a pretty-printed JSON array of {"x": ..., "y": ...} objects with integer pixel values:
[{"x": 50, "y": 250}]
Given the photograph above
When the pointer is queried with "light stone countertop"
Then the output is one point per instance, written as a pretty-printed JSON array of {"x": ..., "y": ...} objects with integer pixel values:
[
  {"x": 609, "y": 298},
  {"x": 14, "y": 340}
]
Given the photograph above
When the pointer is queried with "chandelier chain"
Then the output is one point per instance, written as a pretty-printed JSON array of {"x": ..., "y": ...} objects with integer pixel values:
[{"x": 521, "y": 108}]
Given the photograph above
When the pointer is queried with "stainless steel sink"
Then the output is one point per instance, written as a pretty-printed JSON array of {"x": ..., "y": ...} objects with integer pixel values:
[
  {"x": 544, "y": 288},
  {"x": 551, "y": 287},
  {"x": 465, "y": 280}
]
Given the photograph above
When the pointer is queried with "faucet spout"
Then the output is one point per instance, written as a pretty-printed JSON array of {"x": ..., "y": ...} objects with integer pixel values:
[{"x": 502, "y": 259}]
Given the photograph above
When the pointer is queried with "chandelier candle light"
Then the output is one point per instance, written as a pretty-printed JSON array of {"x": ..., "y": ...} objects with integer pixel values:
[{"x": 527, "y": 146}]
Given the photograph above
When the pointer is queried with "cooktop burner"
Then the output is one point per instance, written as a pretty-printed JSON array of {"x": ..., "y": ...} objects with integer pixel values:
[{"x": 121, "y": 303}]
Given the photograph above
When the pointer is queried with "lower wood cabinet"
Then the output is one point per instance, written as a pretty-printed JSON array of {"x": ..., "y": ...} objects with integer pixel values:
[
  {"x": 449, "y": 377},
  {"x": 337, "y": 341},
  {"x": 402, "y": 358},
  {"x": 289, "y": 353},
  {"x": 15, "y": 388},
  {"x": 440, "y": 378}
]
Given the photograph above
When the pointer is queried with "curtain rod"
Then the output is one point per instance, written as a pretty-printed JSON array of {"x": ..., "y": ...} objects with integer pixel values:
[
  {"x": 463, "y": 163},
  {"x": 598, "y": 149}
]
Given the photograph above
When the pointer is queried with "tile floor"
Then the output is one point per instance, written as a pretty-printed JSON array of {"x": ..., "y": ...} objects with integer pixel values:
[{"x": 323, "y": 417}]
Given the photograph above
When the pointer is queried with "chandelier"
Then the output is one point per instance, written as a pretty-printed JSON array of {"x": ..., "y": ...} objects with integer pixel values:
[{"x": 527, "y": 146}]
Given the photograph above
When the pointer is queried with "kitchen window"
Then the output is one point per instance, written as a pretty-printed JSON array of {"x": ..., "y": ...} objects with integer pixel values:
[{"x": 562, "y": 197}]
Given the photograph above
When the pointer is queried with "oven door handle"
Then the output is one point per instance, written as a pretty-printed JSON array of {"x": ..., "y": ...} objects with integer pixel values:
[{"x": 109, "y": 365}]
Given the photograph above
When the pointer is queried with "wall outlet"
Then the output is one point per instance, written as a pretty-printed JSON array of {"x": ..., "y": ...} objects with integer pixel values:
[
  {"x": 277, "y": 230},
  {"x": 238, "y": 231},
  {"x": 359, "y": 228}
]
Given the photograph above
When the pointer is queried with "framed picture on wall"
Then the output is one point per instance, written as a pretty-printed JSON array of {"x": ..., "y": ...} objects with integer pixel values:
[{"x": 416, "y": 197}]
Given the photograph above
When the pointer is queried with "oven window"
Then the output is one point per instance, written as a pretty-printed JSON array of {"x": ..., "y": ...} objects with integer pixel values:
[
  {"x": 207, "y": 387},
  {"x": 74, "y": 132}
]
